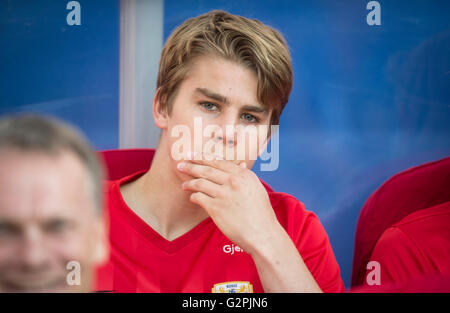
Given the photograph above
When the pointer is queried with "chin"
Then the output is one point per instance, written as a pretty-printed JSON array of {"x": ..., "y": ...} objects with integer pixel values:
[{"x": 59, "y": 286}]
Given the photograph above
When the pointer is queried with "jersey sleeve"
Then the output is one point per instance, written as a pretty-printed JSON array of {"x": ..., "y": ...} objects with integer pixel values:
[{"x": 313, "y": 244}]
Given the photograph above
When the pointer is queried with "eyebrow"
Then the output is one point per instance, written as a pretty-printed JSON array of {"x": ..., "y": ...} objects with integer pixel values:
[
  {"x": 218, "y": 97},
  {"x": 211, "y": 94}
]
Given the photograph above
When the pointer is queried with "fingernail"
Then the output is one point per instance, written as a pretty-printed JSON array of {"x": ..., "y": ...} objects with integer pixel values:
[{"x": 181, "y": 165}]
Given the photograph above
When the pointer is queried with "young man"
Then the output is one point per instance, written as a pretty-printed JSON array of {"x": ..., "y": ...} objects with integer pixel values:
[
  {"x": 205, "y": 224},
  {"x": 52, "y": 232}
]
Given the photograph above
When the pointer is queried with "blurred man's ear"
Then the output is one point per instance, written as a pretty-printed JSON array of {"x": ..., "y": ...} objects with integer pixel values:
[
  {"x": 101, "y": 251},
  {"x": 160, "y": 113}
]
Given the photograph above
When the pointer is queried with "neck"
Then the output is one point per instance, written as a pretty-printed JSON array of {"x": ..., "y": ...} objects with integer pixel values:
[{"x": 164, "y": 205}]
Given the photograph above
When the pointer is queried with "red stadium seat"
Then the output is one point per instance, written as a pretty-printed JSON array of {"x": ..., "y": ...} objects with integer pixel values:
[
  {"x": 420, "y": 284},
  {"x": 415, "y": 189},
  {"x": 124, "y": 162}
]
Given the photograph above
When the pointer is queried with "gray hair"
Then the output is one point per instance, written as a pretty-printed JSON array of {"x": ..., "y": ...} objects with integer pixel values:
[{"x": 50, "y": 136}]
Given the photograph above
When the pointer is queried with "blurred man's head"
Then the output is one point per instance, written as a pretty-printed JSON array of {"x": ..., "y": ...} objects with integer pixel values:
[{"x": 50, "y": 207}]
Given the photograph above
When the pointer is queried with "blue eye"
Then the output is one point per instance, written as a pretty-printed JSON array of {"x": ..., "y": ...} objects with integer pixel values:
[
  {"x": 209, "y": 106},
  {"x": 249, "y": 118}
]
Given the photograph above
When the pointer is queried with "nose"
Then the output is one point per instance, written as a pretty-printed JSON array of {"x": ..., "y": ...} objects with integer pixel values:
[
  {"x": 32, "y": 252},
  {"x": 226, "y": 131},
  {"x": 228, "y": 140}
]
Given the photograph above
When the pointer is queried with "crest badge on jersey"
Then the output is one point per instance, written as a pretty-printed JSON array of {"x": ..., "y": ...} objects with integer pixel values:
[{"x": 233, "y": 287}]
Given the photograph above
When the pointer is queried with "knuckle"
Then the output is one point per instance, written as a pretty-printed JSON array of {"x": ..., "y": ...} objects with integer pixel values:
[
  {"x": 250, "y": 174},
  {"x": 235, "y": 180},
  {"x": 246, "y": 174},
  {"x": 195, "y": 196},
  {"x": 207, "y": 171},
  {"x": 220, "y": 193},
  {"x": 200, "y": 183},
  {"x": 194, "y": 183}
]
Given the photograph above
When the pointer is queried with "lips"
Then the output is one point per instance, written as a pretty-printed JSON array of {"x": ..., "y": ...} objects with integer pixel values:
[
  {"x": 230, "y": 156},
  {"x": 22, "y": 285}
]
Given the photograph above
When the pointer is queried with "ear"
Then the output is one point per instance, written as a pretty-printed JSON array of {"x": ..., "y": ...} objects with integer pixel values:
[
  {"x": 160, "y": 115},
  {"x": 263, "y": 142},
  {"x": 100, "y": 254}
]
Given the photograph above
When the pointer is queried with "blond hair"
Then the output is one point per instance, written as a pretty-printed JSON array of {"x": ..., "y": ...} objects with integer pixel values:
[{"x": 248, "y": 42}]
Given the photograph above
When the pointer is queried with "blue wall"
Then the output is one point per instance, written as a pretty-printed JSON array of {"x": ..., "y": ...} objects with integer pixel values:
[
  {"x": 367, "y": 102},
  {"x": 71, "y": 72}
]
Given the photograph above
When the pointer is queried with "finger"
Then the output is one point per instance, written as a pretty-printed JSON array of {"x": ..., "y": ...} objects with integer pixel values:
[
  {"x": 202, "y": 171},
  {"x": 202, "y": 200},
  {"x": 209, "y": 160},
  {"x": 202, "y": 185}
]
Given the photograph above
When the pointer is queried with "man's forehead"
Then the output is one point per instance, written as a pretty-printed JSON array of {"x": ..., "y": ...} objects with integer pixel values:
[
  {"x": 223, "y": 77},
  {"x": 39, "y": 186},
  {"x": 42, "y": 202},
  {"x": 23, "y": 214},
  {"x": 23, "y": 166}
]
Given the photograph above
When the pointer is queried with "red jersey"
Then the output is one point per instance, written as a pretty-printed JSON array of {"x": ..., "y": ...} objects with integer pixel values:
[
  {"x": 417, "y": 245},
  {"x": 203, "y": 259},
  {"x": 430, "y": 283}
]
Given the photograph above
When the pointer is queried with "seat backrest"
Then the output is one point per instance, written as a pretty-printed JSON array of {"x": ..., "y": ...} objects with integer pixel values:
[
  {"x": 414, "y": 189},
  {"x": 123, "y": 162}
]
